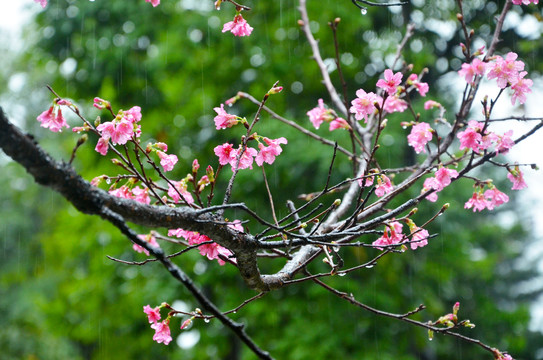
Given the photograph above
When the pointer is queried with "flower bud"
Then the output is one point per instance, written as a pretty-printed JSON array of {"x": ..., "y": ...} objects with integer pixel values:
[
  {"x": 195, "y": 166},
  {"x": 456, "y": 307},
  {"x": 210, "y": 174},
  {"x": 275, "y": 90},
  {"x": 82, "y": 139}
]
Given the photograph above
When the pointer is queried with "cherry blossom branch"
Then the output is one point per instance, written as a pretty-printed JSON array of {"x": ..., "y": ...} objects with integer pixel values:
[
  {"x": 177, "y": 273},
  {"x": 295, "y": 125},
  {"x": 304, "y": 23},
  {"x": 405, "y": 317}
]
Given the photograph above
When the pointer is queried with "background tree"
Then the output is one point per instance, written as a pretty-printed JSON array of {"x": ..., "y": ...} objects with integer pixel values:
[{"x": 124, "y": 57}]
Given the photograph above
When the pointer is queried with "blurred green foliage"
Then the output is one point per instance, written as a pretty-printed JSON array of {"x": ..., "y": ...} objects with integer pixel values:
[{"x": 62, "y": 298}]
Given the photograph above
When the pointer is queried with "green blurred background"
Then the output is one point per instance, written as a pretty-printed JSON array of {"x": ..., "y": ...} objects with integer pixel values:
[{"x": 61, "y": 298}]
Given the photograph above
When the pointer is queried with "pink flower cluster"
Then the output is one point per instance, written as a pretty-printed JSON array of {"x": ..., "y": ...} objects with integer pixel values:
[
  {"x": 474, "y": 139},
  {"x": 120, "y": 130},
  {"x": 223, "y": 119},
  {"x": 441, "y": 180},
  {"x": 162, "y": 329},
  {"x": 238, "y": 27},
  {"x": 321, "y": 114},
  {"x": 489, "y": 200},
  {"x": 211, "y": 250},
  {"x": 365, "y": 103},
  {"x": 421, "y": 87},
  {"x": 228, "y": 155},
  {"x": 136, "y": 193},
  {"x": 392, "y": 235},
  {"x": 507, "y": 71},
  {"x": 517, "y": 178},
  {"x": 420, "y": 135},
  {"x": 384, "y": 185},
  {"x": 391, "y": 82},
  {"x": 149, "y": 238},
  {"x": 180, "y": 187},
  {"x": 52, "y": 119}
]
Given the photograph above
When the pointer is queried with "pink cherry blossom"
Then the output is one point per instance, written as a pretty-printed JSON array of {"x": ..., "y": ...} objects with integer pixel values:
[
  {"x": 122, "y": 192},
  {"x": 443, "y": 177},
  {"x": 238, "y": 27},
  {"x": 394, "y": 104},
  {"x": 155, "y": 3},
  {"x": 167, "y": 161},
  {"x": 119, "y": 132},
  {"x": 181, "y": 187},
  {"x": 429, "y": 184},
  {"x": 477, "y": 202},
  {"x": 223, "y": 119},
  {"x": 469, "y": 71},
  {"x": 339, "y": 123},
  {"x": 133, "y": 114},
  {"x": 384, "y": 186},
  {"x": 141, "y": 195},
  {"x": 391, "y": 82},
  {"x": 153, "y": 315},
  {"x": 368, "y": 181},
  {"x": 102, "y": 146},
  {"x": 505, "y": 70},
  {"x": 363, "y": 105},
  {"x": 392, "y": 235},
  {"x": 43, "y": 3},
  {"x": 431, "y": 104},
  {"x": 149, "y": 239},
  {"x": 162, "y": 332},
  {"x": 268, "y": 153},
  {"x": 225, "y": 152},
  {"x": 495, "y": 198},
  {"x": 246, "y": 160},
  {"x": 517, "y": 178},
  {"x": 236, "y": 225},
  {"x": 504, "y": 143},
  {"x": 421, "y": 87},
  {"x": 525, "y": 2},
  {"x": 52, "y": 120},
  {"x": 320, "y": 114},
  {"x": 211, "y": 250},
  {"x": 420, "y": 135},
  {"x": 162, "y": 146},
  {"x": 471, "y": 138},
  {"x": 521, "y": 88},
  {"x": 419, "y": 239}
]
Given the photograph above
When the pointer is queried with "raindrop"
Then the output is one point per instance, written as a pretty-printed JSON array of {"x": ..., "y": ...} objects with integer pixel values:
[
  {"x": 363, "y": 11},
  {"x": 233, "y": 312},
  {"x": 342, "y": 274},
  {"x": 335, "y": 248},
  {"x": 430, "y": 338},
  {"x": 206, "y": 320},
  {"x": 91, "y": 0},
  {"x": 108, "y": 181},
  {"x": 369, "y": 266}
]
